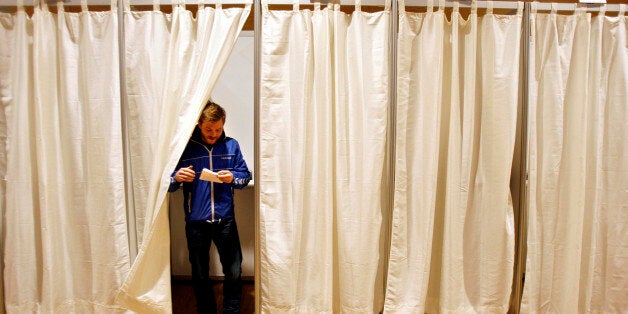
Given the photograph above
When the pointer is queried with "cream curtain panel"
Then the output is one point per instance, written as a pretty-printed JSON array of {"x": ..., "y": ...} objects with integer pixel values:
[
  {"x": 65, "y": 245},
  {"x": 578, "y": 164},
  {"x": 66, "y": 242},
  {"x": 146, "y": 40},
  {"x": 323, "y": 119},
  {"x": 193, "y": 52},
  {"x": 452, "y": 245},
  {"x": 7, "y": 36},
  {"x": 148, "y": 52}
]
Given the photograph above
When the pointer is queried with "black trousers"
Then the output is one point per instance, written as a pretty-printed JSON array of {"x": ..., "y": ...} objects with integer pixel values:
[{"x": 224, "y": 234}]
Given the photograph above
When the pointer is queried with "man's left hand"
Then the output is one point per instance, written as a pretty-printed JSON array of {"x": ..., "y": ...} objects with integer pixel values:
[{"x": 225, "y": 176}]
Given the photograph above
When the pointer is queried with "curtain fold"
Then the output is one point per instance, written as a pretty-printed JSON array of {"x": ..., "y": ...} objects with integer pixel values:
[
  {"x": 324, "y": 99},
  {"x": 146, "y": 40},
  {"x": 452, "y": 239},
  {"x": 66, "y": 246},
  {"x": 8, "y": 36},
  {"x": 361, "y": 102},
  {"x": 196, "y": 51},
  {"x": 578, "y": 164}
]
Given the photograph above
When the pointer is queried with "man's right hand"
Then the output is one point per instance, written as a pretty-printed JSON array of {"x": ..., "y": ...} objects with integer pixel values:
[{"x": 185, "y": 175}]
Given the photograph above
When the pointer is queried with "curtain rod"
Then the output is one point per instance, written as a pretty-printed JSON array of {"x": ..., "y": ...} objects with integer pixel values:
[
  {"x": 29, "y": 3},
  {"x": 541, "y": 6}
]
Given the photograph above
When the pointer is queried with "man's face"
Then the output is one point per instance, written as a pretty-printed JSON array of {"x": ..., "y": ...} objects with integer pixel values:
[{"x": 211, "y": 131}]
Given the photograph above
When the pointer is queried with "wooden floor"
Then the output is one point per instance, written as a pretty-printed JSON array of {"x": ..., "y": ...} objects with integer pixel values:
[{"x": 183, "y": 301}]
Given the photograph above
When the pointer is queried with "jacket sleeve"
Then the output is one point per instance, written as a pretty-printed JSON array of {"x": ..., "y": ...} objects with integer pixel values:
[
  {"x": 174, "y": 185},
  {"x": 241, "y": 173}
]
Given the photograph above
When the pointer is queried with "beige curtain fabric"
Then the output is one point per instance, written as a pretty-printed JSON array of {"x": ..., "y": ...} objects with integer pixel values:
[
  {"x": 324, "y": 100},
  {"x": 146, "y": 42},
  {"x": 578, "y": 165},
  {"x": 65, "y": 237},
  {"x": 452, "y": 245},
  {"x": 8, "y": 36},
  {"x": 66, "y": 242},
  {"x": 196, "y": 53},
  {"x": 12, "y": 29}
]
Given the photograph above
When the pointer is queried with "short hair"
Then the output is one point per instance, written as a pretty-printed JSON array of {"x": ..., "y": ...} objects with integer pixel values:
[{"x": 212, "y": 112}]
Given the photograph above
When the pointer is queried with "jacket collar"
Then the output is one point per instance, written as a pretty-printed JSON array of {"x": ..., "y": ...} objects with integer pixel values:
[{"x": 196, "y": 136}]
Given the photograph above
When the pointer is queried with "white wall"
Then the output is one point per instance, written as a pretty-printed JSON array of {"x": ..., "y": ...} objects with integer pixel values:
[{"x": 233, "y": 91}]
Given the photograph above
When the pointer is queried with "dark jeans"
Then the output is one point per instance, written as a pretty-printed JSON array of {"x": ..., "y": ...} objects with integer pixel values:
[{"x": 225, "y": 236}]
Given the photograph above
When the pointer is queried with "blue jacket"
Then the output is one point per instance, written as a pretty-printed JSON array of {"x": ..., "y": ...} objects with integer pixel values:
[{"x": 205, "y": 200}]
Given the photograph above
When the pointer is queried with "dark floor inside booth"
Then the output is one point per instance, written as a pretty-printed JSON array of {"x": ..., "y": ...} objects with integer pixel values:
[{"x": 183, "y": 301}]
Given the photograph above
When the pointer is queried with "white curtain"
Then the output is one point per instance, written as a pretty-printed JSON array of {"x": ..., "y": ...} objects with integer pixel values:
[
  {"x": 8, "y": 32},
  {"x": 452, "y": 246},
  {"x": 173, "y": 65},
  {"x": 323, "y": 120},
  {"x": 146, "y": 40},
  {"x": 578, "y": 165},
  {"x": 65, "y": 245}
]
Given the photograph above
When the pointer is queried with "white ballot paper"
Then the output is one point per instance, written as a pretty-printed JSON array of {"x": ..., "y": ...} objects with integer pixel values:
[{"x": 209, "y": 175}]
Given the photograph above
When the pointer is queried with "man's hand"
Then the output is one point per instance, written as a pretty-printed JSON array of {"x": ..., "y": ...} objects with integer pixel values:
[
  {"x": 185, "y": 175},
  {"x": 225, "y": 176}
]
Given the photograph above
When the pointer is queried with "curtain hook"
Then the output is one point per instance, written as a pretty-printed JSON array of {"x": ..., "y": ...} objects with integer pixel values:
[
  {"x": 474, "y": 7},
  {"x": 519, "y": 8},
  {"x": 441, "y": 5},
  {"x": 579, "y": 10},
  {"x": 602, "y": 10},
  {"x": 401, "y": 6},
  {"x": 489, "y": 7},
  {"x": 358, "y": 5},
  {"x": 295, "y": 5},
  {"x": 622, "y": 10},
  {"x": 83, "y": 5},
  {"x": 430, "y": 6}
]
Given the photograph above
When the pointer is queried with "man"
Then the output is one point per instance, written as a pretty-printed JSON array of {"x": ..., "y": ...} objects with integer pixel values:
[{"x": 208, "y": 205}]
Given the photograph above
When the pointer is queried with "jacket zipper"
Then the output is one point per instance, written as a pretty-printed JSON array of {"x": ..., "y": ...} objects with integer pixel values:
[{"x": 211, "y": 184}]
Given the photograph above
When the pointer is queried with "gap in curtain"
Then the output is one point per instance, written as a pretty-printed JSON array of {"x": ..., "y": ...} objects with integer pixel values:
[
  {"x": 198, "y": 71},
  {"x": 73, "y": 9}
]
